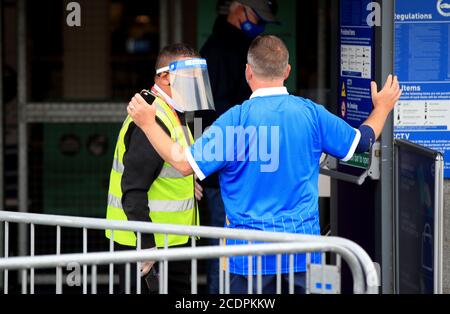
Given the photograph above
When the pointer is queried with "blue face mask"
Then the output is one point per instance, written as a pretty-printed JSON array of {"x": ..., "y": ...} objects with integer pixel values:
[{"x": 250, "y": 29}]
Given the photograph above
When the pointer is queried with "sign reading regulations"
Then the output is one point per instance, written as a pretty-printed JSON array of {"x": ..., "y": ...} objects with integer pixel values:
[
  {"x": 422, "y": 63},
  {"x": 356, "y": 67}
]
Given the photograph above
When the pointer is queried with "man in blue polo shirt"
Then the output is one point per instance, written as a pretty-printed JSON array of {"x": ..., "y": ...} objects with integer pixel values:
[{"x": 267, "y": 154}]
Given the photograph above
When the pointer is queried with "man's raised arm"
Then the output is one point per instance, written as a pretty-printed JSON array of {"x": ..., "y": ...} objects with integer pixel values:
[{"x": 143, "y": 116}]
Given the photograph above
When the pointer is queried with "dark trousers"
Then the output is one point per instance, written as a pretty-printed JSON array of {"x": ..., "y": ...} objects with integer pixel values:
[
  {"x": 179, "y": 275},
  {"x": 216, "y": 211},
  {"x": 239, "y": 284}
]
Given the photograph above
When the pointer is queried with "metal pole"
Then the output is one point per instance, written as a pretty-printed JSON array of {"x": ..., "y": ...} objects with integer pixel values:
[
  {"x": 127, "y": 278},
  {"x": 334, "y": 57},
  {"x": 111, "y": 266},
  {"x": 138, "y": 264},
  {"x": 308, "y": 272},
  {"x": 338, "y": 264},
  {"x": 278, "y": 274},
  {"x": 24, "y": 281},
  {"x": 227, "y": 276},
  {"x": 193, "y": 270},
  {"x": 2, "y": 202},
  {"x": 94, "y": 279},
  {"x": 323, "y": 262},
  {"x": 321, "y": 51},
  {"x": 438, "y": 224},
  {"x": 5, "y": 278},
  {"x": 22, "y": 124},
  {"x": 163, "y": 24},
  {"x": 291, "y": 274},
  {"x": 85, "y": 249},
  {"x": 58, "y": 269},
  {"x": 387, "y": 170},
  {"x": 178, "y": 21},
  {"x": 250, "y": 273},
  {"x": 259, "y": 274},
  {"x": 32, "y": 251},
  {"x": 166, "y": 265},
  {"x": 221, "y": 282},
  {"x": 161, "y": 277}
]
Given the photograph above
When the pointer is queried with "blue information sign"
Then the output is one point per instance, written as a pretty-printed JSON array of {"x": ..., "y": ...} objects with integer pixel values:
[
  {"x": 356, "y": 66},
  {"x": 422, "y": 63},
  {"x": 357, "y": 55}
]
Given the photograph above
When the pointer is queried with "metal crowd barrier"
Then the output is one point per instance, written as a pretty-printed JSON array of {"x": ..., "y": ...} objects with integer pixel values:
[{"x": 320, "y": 278}]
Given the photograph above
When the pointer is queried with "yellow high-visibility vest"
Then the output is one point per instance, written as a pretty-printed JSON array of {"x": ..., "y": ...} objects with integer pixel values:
[{"x": 171, "y": 196}]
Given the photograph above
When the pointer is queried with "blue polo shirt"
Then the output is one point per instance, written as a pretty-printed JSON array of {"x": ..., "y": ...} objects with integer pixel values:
[{"x": 267, "y": 152}]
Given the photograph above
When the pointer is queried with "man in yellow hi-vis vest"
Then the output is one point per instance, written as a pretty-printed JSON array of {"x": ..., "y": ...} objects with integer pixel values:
[{"x": 145, "y": 188}]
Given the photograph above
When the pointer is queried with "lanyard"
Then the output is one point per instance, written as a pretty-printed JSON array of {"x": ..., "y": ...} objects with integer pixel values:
[
  {"x": 166, "y": 97},
  {"x": 160, "y": 93}
]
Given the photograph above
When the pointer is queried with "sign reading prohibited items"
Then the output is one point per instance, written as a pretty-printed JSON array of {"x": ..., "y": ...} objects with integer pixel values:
[
  {"x": 356, "y": 67},
  {"x": 422, "y": 63}
]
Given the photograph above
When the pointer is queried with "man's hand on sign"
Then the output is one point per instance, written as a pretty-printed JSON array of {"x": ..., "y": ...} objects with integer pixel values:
[
  {"x": 383, "y": 103},
  {"x": 388, "y": 96}
]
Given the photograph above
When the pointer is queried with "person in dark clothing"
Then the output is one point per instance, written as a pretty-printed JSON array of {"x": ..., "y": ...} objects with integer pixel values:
[
  {"x": 138, "y": 185},
  {"x": 226, "y": 53}
]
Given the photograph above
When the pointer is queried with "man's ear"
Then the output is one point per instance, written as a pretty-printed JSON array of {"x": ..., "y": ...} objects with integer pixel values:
[
  {"x": 287, "y": 72},
  {"x": 248, "y": 73},
  {"x": 164, "y": 79}
]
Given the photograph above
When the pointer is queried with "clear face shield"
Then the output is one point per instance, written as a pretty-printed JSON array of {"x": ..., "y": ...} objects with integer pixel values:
[{"x": 190, "y": 85}]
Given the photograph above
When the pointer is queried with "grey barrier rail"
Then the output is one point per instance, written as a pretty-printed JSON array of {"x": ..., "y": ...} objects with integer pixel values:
[{"x": 365, "y": 277}]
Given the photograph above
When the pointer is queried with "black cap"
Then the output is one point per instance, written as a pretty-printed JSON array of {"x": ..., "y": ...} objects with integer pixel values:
[{"x": 266, "y": 9}]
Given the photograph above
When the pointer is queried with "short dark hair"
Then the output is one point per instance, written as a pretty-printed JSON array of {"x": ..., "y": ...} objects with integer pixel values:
[
  {"x": 172, "y": 52},
  {"x": 268, "y": 57}
]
